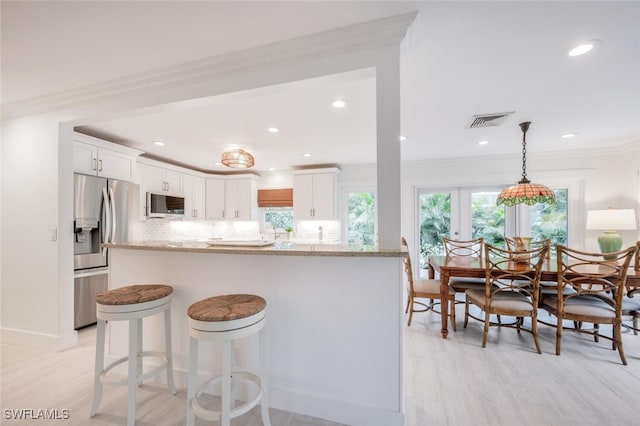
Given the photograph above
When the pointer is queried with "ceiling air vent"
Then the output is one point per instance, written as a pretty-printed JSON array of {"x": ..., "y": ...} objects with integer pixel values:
[{"x": 489, "y": 120}]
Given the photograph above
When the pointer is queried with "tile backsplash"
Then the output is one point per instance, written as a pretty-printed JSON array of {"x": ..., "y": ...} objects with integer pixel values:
[
  {"x": 308, "y": 230},
  {"x": 182, "y": 230}
]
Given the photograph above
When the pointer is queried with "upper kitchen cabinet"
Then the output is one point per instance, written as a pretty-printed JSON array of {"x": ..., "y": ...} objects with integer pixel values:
[
  {"x": 215, "y": 198},
  {"x": 194, "y": 197},
  {"x": 241, "y": 197},
  {"x": 161, "y": 180},
  {"x": 93, "y": 156},
  {"x": 232, "y": 197},
  {"x": 314, "y": 194}
]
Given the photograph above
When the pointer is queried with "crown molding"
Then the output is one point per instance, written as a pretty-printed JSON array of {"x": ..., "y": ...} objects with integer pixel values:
[{"x": 368, "y": 35}]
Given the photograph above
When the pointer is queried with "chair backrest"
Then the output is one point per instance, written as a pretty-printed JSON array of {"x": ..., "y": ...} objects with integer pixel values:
[
  {"x": 636, "y": 266},
  {"x": 407, "y": 267},
  {"x": 591, "y": 274},
  {"x": 511, "y": 245},
  {"x": 506, "y": 273},
  {"x": 472, "y": 248}
]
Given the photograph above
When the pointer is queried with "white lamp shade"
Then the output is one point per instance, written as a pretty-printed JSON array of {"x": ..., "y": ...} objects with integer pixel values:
[{"x": 611, "y": 220}]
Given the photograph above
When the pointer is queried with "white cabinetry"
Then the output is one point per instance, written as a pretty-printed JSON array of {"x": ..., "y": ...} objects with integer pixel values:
[
  {"x": 92, "y": 156},
  {"x": 314, "y": 196},
  {"x": 232, "y": 198},
  {"x": 215, "y": 198},
  {"x": 194, "y": 197},
  {"x": 161, "y": 181},
  {"x": 241, "y": 199}
]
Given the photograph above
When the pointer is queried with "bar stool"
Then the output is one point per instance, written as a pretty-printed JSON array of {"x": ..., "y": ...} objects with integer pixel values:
[
  {"x": 132, "y": 303},
  {"x": 226, "y": 319}
]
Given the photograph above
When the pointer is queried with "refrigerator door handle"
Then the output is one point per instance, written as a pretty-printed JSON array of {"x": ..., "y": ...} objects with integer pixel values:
[
  {"x": 114, "y": 221},
  {"x": 107, "y": 215}
]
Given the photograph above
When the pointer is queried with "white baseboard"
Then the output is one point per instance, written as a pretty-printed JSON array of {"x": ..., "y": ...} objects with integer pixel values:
[{"x": 47, "y": 342}]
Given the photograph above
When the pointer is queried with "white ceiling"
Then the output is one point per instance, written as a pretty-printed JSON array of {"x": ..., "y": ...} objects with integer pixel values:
[{"x": 458, "y": 59}]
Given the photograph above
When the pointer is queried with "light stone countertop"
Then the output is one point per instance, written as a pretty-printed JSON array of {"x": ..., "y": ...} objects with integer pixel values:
[{"x": 284, "y": 249}]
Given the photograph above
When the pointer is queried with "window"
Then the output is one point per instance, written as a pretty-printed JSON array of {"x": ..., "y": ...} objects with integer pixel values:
[
  {"x": 361, "y": 218},
  {"x": 280, "y": 217}
]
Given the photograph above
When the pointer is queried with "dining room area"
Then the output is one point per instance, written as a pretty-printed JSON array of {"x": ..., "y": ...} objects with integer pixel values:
[{"x": 571, "y": 312}]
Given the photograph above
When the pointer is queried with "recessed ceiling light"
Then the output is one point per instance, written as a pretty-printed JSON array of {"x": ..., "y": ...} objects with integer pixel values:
[
  {"x": 159, "y": 143},
  {"x": 483, "y": 142},
  {"x": 403, "y": 138},
  {"x": 271, "y": 169},
  {"x": 217, "y": 163},
  {"x": 339, "y": 103},
  {"x": 273, "y": 130},
  {"x": 306, "y": 155},
  {"x": 583, "y": 48},
  {"x": 568, "y": 135}
]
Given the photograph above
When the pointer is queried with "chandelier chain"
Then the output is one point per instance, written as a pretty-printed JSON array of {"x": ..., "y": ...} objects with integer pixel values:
[{"x": 524, "y": 157}]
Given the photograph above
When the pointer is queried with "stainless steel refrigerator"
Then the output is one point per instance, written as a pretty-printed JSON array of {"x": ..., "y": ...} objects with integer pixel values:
[{"x": 103, "y": 212}]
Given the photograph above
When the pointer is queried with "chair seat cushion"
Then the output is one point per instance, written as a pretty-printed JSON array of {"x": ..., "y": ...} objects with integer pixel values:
[
  {"x": 462, "y": 284},
  {"x": 583, "y": 306},
  {"x": 227, "y": 307},
  {"x": 505, "y": 301},
  {"x": 429, "y": 287},
  {"x": 134, "y": 294},
  {"x": 631, "y": 306}
]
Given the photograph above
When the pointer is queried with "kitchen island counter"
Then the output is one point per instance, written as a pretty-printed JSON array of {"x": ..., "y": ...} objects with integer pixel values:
[
  {"x": 334, "y": 320},
  {"x": 283, "y": 249}
]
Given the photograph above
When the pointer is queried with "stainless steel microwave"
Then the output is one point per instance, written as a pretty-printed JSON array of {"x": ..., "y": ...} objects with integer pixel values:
[{"x": 160, "y": 205}]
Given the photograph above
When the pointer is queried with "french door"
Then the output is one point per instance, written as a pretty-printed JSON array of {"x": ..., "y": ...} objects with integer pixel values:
[{"x": 465, "y": 213}]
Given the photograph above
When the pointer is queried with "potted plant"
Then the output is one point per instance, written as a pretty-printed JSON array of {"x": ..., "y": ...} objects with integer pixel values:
[{"x": 289, "y": 231}]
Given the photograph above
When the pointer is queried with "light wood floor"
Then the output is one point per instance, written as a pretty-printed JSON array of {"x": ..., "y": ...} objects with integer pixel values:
[{"x": 447, "y": 382}]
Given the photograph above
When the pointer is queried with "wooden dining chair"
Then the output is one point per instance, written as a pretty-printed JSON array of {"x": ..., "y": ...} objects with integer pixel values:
[
  {"x": 631, "y": 303},
  {"x": 465, "y": 248},
  {"x": 597, "y": 287},
  {"x": 424, "y": 289},
  {"x": 534, "y": 244},
  {"x": 511, "y": 288}
]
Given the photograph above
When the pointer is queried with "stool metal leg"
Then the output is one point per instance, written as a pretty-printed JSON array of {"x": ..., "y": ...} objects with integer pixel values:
[
  {"x": 97, "y": 385},
  {"x": 133, "y": 371},
  {"x": 264, "y": 403},
  {"x": 226, "y": 383},
  {"x": 191, "y": 384},
  {"x": 169, "y": 350}
]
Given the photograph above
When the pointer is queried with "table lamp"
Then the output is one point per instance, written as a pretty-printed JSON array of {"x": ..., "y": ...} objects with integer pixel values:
[{"x": 609, "y": 221}]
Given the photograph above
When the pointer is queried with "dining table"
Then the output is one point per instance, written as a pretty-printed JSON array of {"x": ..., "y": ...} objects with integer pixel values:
[{"x": 473, "y": 267}]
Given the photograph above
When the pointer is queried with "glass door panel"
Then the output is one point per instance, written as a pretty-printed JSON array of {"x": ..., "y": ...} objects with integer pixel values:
[
  {"x": 487, "y": 220},
  {"x": 550, "y": 220},
  {"x": 434, "y": 222}
]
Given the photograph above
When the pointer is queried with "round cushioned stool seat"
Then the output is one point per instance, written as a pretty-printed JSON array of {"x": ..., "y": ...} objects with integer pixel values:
[
  {"x": 134, "y": 294},
  {"x": 225, "y": 319},
  {"x": 226, "y": 308},
  {"x": 132, "y": 303}
]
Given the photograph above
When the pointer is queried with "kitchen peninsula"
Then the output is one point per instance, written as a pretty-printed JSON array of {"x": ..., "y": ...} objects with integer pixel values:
[{"x": 334, "y": 319}]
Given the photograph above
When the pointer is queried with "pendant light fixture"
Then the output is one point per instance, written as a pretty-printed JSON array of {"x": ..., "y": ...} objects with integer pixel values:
[
  {"x": 237, "y": 159},
  {"x": 525, "y": 191}
]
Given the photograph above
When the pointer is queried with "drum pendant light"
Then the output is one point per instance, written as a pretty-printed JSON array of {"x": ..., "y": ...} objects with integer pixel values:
[
  {"x": 524, "y": 191},
  {"x": 237, "y": 159}
]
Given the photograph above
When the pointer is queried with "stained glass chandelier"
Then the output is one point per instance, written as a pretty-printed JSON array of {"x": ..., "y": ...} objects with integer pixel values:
[{"x": 524, "y": 191}]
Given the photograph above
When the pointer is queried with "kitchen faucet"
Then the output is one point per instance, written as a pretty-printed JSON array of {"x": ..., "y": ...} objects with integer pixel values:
[
  {"x": 275, "y": 235},
  {"x": 320, "y": 233}
]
